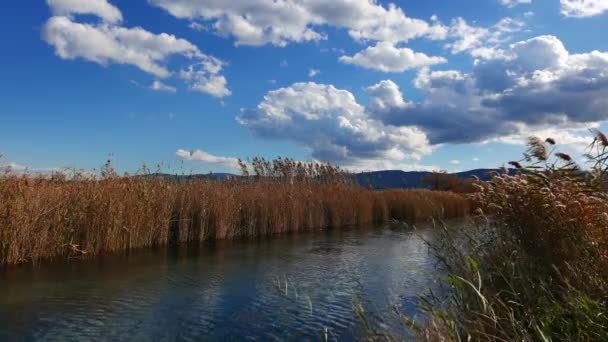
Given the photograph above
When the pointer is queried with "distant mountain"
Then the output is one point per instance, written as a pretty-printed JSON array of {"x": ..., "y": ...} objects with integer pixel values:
[
  {"x": 387, "y": 179},
  {"x": 217, "y": 176},
  {"x": 396, "y": 179}
]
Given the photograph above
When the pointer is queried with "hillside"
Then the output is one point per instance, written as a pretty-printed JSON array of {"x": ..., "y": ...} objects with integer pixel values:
[
  {"x": 386, "y": 179},
  {"x": 397, "y": 179}
]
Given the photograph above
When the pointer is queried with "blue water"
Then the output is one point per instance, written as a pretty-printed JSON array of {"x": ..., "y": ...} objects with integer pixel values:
[{"x": 294, "y": 287}]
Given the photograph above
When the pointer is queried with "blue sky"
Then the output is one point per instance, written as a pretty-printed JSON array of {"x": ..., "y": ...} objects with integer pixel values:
[{"x": 434, "y": 84}]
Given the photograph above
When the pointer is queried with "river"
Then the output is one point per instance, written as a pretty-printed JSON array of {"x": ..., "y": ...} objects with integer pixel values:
[{"x": 294, "y": 287}]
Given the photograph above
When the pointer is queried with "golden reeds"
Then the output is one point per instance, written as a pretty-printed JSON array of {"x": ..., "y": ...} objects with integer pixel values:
[
  {"x": 535, "y": 268},
  {"x": 48, "y": 217}
]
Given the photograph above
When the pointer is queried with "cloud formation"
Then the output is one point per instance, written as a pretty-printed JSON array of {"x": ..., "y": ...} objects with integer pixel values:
[
  {"x": 583, "y": 8},
  {"x": 482, "y": 42},
  {"x": 204, "y": 77},
  {"x": 313, "y": 72},
  {"x": 331, "y": 124},
  {"x": 513, "y": 3},
  {"x": 107, "y": 42},
  {"x": 535, "y": 85},
  {"x": 260, "y": 22},
  {"x": 160, "y": 86},
  {"x": 384, "y": 56},
  {"x": 101, "y": 8},
  {"x": 206, "y": 157}
]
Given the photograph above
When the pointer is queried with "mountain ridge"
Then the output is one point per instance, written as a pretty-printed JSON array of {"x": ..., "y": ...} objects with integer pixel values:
[{"x": 383, "y": 179}]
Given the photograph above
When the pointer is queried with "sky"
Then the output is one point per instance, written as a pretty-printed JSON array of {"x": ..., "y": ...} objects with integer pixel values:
[{"x": 194, "y": 84}]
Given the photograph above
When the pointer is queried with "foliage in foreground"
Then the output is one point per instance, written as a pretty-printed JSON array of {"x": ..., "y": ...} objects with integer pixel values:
[
  {"x": 46, "y": 217},
  {"x": 535, "y": 266}
]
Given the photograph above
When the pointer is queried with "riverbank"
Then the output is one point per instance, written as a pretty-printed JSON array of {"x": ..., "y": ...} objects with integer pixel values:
[{"x": 45, "y": 218}]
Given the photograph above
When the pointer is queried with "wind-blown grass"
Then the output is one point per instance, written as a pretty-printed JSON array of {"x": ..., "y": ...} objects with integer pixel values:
[
  {"x": 57, "y": 217},
  {"x": 535, "y": 266}
]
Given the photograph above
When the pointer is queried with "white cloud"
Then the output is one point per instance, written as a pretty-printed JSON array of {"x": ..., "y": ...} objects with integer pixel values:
[
  {"x": 455, "y": 162},
  {"x": 313, "y": 72},
  {"x": 576, "y": 137},
  {"x": 583, "y": 8},
  {"x": 12, "y": 168},
  {"x": 482, "y": 42},
  {"x": 513, "y": 3},
  {"x": 160, "y": 86},
  {"x": 204, "y": 77},
  {"x": 373, "y": 165},
  {"x": 385, "y": 95},
  {"x": 260, "y": 22},
  {"x": 100, "y": 8},
  {"x": 536, "y": 85},
  {"x": 475, "y": 159},
  {"x": 332, "y": 125},
  {"x": 384, "y": 56},
  {"x": 105, "y": 43},
  {"x": 202, "y": 156}
]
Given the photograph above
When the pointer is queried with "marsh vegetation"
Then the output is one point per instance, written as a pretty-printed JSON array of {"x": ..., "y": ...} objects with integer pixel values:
[
  {"x": 60, "y": 216},
  {"x": 533, "y": 265}
]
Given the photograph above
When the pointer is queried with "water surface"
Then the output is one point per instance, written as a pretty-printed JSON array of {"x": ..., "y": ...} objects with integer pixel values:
[{"x": 294, "y": 287}]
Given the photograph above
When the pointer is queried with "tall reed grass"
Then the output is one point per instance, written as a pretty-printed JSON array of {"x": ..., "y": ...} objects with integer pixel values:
[
  {"x": 534, "y": 267},
  {"x": 58, "y": 216}
]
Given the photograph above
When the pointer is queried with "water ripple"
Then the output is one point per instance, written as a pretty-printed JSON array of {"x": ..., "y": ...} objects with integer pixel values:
[{"x": 295, "y": 287}]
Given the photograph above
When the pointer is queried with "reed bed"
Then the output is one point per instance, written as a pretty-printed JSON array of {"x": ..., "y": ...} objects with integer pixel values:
[
  {"x": 534, "y": 266},
  {"x": 57, "y": 217}
]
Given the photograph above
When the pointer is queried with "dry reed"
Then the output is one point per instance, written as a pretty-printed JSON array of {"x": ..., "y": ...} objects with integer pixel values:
[
  {"x": 534, "y": 267},
  {"x": 49, "y": 217}
]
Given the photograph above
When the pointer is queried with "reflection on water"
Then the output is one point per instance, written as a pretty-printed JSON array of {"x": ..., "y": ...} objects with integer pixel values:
[{"x": 291, "y": 287}]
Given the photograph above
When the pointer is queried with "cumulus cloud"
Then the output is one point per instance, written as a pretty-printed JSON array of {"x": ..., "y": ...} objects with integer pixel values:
[
  {"x": 535, "y": 86},
  {"x": 260, "y": 22},
  {"x": 331, "y": 124},
  {"x": 112, "y": 44},
  {"x": 538, "y": 84},
  {"x": 386, "y": 95},
  {"x": 160, "y": 86},
  {"x": 583, "y": 8},
  {"x": 204, "y": 77},
  {"x": 384, "y": 56},
  {"x": 206, "y": 157},
  {"x": 107, "y": 42},
  {"x": 100, "y": 8},
  {"x": 513, "y": 3}
]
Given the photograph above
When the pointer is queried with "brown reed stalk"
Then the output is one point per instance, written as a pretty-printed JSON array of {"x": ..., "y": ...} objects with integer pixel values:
[
  {"x": 534, "y": 267},
  {"x": 56, "y": 217}
]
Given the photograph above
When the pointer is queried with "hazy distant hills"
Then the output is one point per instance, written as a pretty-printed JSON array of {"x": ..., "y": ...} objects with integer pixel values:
[
  {"x": 396, "y": 179},
  {"x": 387, "y": 179}
]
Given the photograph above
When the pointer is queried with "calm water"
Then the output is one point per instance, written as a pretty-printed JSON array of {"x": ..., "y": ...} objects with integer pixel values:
[{"x": 296, "y": 287}]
